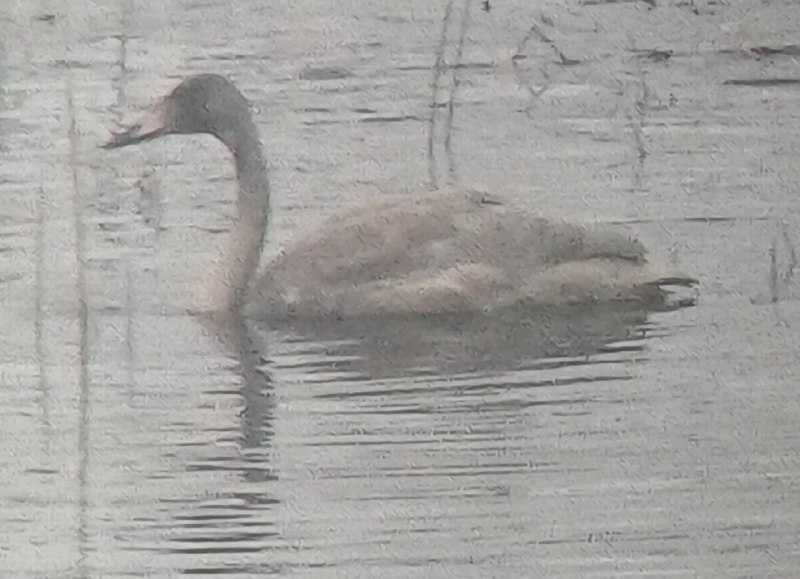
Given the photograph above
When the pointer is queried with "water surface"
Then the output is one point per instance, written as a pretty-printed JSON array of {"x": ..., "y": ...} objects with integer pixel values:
[{"x": 136, "y": 440}]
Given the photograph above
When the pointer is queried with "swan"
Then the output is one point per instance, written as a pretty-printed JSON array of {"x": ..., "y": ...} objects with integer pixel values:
[{"x": 448, "y": 251}]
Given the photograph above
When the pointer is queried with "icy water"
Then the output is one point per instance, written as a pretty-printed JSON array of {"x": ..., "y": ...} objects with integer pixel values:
[{"x": 139, "y": 441}]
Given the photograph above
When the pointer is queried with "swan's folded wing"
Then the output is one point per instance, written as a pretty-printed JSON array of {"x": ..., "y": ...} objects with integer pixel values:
[
  {"x": 378, "y": 241},
  {"x": 471, "y": 287}
]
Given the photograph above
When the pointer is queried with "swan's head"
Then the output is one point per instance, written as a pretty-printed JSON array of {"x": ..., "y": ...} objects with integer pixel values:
[{"x": 204, "y": 103}]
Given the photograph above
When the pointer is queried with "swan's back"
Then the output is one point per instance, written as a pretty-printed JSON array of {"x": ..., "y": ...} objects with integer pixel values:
[{"x": 388, "y": 239}]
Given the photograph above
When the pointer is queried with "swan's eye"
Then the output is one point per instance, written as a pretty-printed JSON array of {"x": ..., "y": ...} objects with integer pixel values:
[{"x": 207, "y": 107}]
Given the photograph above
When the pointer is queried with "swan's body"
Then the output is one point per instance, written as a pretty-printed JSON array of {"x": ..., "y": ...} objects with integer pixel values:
[{"x": 447, "y": 251}]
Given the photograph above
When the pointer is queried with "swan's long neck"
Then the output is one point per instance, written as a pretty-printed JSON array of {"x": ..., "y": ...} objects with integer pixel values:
[{"x": 252, "y": 212}]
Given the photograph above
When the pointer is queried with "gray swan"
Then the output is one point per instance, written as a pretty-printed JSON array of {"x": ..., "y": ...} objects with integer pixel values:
[{"x": 447, "y": 251}]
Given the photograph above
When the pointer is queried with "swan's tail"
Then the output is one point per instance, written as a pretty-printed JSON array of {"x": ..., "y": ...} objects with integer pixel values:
[
  {"x": 673, "y": 280},
  {"x": 676, "y": 291},
  {"x": 607, "y": 281}
]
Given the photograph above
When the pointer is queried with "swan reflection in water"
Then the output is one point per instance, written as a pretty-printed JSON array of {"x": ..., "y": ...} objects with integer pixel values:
[{"x": 379, "y": 347}]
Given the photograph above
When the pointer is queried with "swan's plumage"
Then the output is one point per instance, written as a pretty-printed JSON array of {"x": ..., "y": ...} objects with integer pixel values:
[
  {"x": 449, "y": 251},
  {"x": 443, "y": 251}
]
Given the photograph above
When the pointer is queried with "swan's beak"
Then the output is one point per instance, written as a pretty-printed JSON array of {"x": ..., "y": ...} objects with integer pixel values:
[{"x": 151, "y": 125}]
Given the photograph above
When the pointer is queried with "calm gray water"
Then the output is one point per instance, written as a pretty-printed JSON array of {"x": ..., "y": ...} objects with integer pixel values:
[{"x": 138, "y": 441}]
